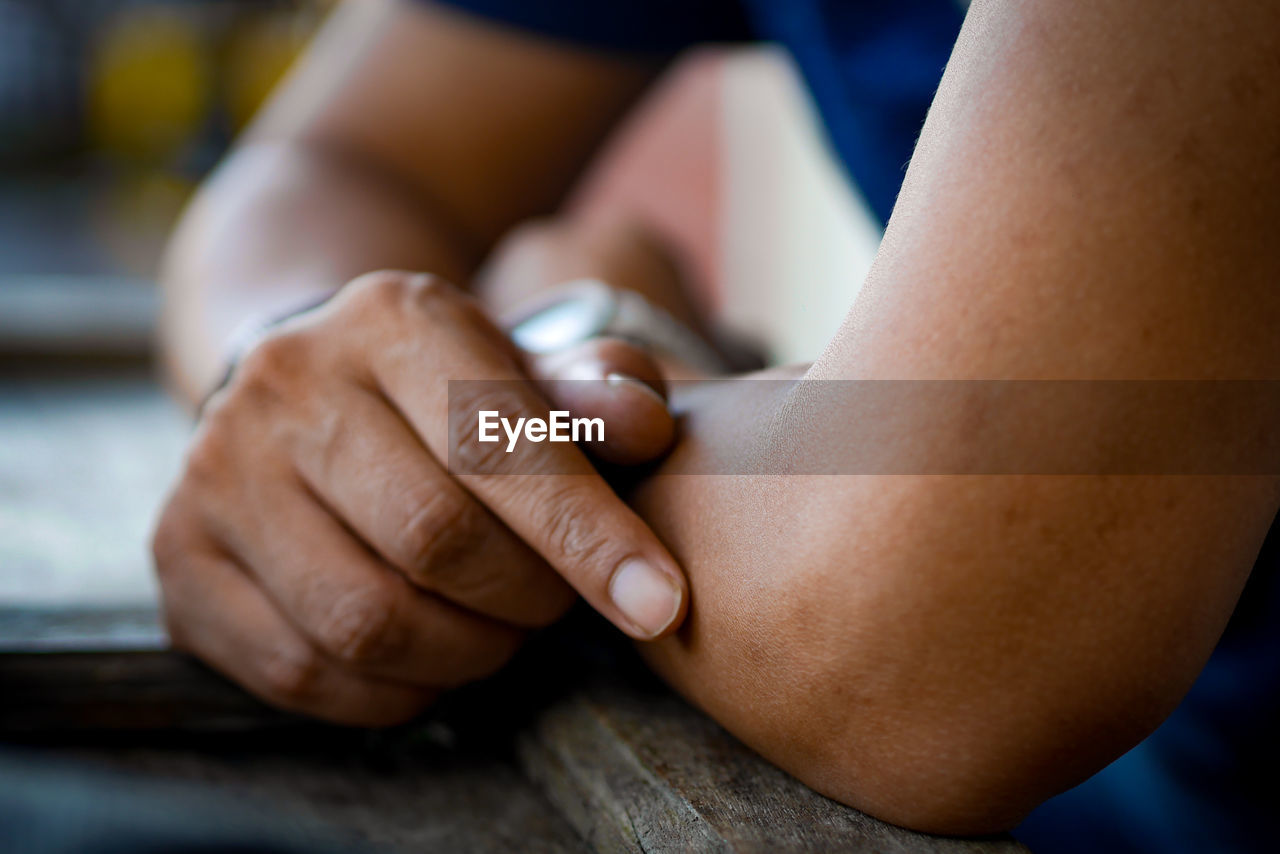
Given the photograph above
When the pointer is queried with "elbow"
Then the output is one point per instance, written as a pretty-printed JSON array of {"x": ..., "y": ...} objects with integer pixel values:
[
  {"x": 953, "y": 759},
  {"x": 935, "y": 786},
  {"x": 976, "y": 761},
  {"x": 967, "y": 765},
  {"x": 939, "y": 750}
]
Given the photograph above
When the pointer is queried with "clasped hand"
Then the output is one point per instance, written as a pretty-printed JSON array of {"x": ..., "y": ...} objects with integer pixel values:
[{"x": 317, "y": 550}]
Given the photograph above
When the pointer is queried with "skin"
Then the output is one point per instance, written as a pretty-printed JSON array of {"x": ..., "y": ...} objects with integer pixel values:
[
  {"x": 1092, "y": 197},
  {"x": 410, "y": 138},
  {"x": 315, "y": 548}
]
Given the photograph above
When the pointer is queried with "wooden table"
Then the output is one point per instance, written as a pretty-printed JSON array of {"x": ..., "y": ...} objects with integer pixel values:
[{"x": 574, "y": 747}]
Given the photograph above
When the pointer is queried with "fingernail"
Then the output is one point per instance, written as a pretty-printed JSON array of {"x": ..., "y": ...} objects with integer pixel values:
[
  {"x": 617, "y": 380},
  {"x": 645, "y": 595}
]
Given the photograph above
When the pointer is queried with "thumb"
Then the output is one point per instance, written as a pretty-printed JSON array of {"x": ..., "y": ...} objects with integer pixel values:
[{"x": 618, "y": 382}]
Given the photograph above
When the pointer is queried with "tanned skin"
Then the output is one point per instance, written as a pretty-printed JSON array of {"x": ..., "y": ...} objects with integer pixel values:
[
  {"x": 316, "y": 548},
  {"x": 1093, "y": 197}
]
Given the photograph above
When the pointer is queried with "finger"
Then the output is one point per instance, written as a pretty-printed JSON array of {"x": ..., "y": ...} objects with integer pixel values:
[
  {"x": 216, "y": 612},
  {"x": 616, "y": 381},
  {"x": 350, "y": 605},
  {"x": 569, "y": 515},
  {"x": 378, "y": 478}
]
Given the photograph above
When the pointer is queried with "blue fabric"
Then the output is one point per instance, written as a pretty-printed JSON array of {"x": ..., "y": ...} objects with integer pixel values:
[
  {"x": 872, "y": 66},
  {"x": 648, "y": 26},
  {"x": 1205, "y": 780},
  {"x": 1202, "y": 781}
]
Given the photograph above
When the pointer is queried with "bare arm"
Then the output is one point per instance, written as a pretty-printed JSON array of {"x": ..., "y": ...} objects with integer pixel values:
[
  {"x": 1094, "y": 196},
  {"x": 316, "y": 547},
  {"x": 408, "y": 138}
]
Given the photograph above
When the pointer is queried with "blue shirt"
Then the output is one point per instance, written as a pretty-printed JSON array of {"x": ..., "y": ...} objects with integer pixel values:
[{"x": 873, "y": 66}]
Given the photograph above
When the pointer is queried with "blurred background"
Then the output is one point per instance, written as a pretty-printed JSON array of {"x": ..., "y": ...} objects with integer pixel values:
[{"x": 110, "y": 112}]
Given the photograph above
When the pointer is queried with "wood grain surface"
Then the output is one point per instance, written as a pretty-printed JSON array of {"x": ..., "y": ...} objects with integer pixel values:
[{"x": 572, "y": 747}]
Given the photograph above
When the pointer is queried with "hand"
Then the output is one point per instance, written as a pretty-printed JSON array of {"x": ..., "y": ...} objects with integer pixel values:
[
  {"x": 536, "y": 258},
  {"x": 541, "y": 254},
  {"x": 317, "y": 551}
]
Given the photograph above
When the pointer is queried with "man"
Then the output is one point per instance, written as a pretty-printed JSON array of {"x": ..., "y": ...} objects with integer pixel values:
[{"x": 1091, "y": 198}]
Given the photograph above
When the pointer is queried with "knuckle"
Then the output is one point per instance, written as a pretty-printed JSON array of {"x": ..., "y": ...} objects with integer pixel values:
[
  {"x": 569, "y": 519},
  {"x": 395, "y": 290},
  {"x": 291, "y": 674},
  {"x": 425, "y": 295},
  {"x": 208, "y": 458},
  {"x": 274, "y": 370},
  {"x": 328, "y": 440},
  {"x": 427, "y": 288},
  {"x": 206, "y": 473},
  {"x": 379, "y": 291},
  {"x": 363, "y": 627},
  {"x": 438, "y": 529},
  {"x": 467, "y": 453}
]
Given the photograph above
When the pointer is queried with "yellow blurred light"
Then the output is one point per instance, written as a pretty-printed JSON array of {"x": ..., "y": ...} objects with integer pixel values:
[{"x": 150, "y": 84}]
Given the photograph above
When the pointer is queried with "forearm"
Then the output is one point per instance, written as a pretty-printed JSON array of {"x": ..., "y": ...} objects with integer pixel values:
[
  {"x": 942, "y": 652},
  {"x": 948, "y": 651},
  {"x": 409, "y": 136},
  {"x": 279, "y": 226}
]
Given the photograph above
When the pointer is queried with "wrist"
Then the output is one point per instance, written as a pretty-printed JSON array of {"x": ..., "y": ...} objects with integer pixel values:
[{"x": 248, "y": 334}]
